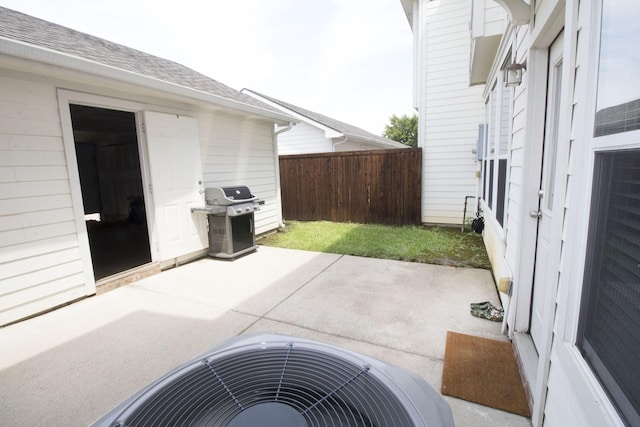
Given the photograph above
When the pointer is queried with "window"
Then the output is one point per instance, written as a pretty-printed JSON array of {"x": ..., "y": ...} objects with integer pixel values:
[
  {"x": 502, "y": 122},
  {"x": 609, "y": 323},
  {"x": 618, "y": 102},
  {"x": 494, "y": 164},
  {"x": 487, "y": 163}
]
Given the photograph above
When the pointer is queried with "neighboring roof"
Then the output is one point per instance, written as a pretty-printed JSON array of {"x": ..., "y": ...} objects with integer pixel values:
[
  {"x": 341, "y": 127},
  {"x": 27, "y": 29}
]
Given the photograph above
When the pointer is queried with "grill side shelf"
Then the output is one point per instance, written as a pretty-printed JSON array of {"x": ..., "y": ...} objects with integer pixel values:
[{"x": 209, "y": 210}]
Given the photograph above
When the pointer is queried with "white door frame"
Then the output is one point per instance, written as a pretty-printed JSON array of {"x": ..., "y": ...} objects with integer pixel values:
[
  {"x": 65, "y": 98},
  {"x": 551, "y": 24},
  {"x": 550, "y": 19},
  {"x": 537, "y": 59},
  {"x": 545, "y": 267}
]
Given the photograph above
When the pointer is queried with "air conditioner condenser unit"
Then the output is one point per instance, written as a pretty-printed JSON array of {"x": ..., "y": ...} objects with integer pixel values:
[{"x": 270, "y": 380}]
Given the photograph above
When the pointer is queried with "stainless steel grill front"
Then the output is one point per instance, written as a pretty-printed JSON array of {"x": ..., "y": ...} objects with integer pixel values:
[{"x": 230, "y": 216}]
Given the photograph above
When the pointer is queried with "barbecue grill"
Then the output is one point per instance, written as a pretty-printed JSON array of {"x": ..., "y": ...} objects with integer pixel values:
[{"x": 230, "y": 214}]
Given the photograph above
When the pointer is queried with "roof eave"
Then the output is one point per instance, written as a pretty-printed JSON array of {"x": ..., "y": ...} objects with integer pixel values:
[
  {"x": 30, "y": 52},
  {"x": 390, "y": 143},
  {"x": 329, "y": 132},
  {"x": 407, "y": 5}
]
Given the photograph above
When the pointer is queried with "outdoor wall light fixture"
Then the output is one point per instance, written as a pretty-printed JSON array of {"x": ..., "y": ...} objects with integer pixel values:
[{"x": 513, "y": 74}]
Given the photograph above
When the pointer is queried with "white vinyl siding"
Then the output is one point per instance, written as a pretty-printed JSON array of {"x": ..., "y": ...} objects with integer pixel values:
[
  {"x": 517, "y": 161},
  {"x": 493, "y": 17},
  {"x": 488, "y": 18},
  {"x": 524, "y": 180},
  {"x": 562, "y": 409},
  {"x": 449, "y": 110},
  {"x": 237, "y": 151},
  {"x": 40, "y": 261},
  {"x": 303, "y": 138},
  {"x": 354, "y": 146}
]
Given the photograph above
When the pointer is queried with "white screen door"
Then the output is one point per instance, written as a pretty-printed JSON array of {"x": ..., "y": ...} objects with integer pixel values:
[
  {"x": 176, "y": 177},
  {"x": 543, "y": 276}
]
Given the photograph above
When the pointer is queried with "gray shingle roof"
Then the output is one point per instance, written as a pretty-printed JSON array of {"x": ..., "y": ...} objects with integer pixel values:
[
  {"x": 28, "y": 29},
  {"x": 329, "y": 122}
]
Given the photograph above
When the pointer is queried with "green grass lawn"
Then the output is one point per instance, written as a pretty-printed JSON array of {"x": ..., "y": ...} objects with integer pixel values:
[{"x": 432, "y": 245}]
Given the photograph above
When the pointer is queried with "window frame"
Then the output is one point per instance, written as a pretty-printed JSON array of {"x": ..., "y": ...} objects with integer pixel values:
[
  {"x": 495, "y": 166},
  {"x": 601, "y": 146},
  {"x": 598, "y": 230}
]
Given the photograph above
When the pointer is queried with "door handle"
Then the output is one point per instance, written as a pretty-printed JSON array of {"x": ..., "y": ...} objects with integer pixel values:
[{"x": 535, "y": 214}]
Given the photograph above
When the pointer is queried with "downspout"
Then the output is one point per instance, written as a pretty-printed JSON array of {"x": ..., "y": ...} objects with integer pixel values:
[
  {"x": 464, "y": 211},
  {"x": 277, "y": 169},
  {"x": 342, "y": 141}
]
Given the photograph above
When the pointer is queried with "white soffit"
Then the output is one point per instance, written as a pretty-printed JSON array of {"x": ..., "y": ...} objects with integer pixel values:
[
  {"x": 483, "y": 53},
  {"x": 519, "y": 11},
  {"x": 407, "y": 5}
]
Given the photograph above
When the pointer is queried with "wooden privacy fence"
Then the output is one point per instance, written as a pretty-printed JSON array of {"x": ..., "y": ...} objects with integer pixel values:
[{"x": 367, "y": 187}]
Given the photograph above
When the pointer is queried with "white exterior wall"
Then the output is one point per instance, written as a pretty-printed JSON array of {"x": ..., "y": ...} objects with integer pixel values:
[
  {"x": 493, "y": 17},
  {"x": 517, "y": 201},
  {"x": 44, "y": 254},
  {"x": 40, "y": 258},
  {"x": 568, "y": 372},
  {"x": 520, "y": 231},
  {"x": 357, "y": 146},
  {"x": 238, "y": 151},
  {"x": 564, "y": 389},
  {"x": 304, "y": 138},
  {"x": 449, "y": 110}
]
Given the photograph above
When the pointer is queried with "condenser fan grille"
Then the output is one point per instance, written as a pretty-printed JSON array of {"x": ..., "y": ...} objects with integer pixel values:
[{"x": 267, "y": 384}]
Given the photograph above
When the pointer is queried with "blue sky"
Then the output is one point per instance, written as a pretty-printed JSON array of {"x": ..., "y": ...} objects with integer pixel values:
[{"x": 348, "y": 59}]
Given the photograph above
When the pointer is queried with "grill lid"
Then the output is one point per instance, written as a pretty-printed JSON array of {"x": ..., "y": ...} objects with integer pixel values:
[
  {"x": 237, "y": 193},
  {"x": 228, "y": 195}
]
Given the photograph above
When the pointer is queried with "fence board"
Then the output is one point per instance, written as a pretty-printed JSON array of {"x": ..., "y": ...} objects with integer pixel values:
[{"x": 366, "y": 187}]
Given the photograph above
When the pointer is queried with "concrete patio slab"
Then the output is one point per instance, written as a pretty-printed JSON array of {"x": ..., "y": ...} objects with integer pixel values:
[
  {"x": 70, "y": 366},
  {"x": 251, "y": 284},
  {"x": 395, "y": 304}
]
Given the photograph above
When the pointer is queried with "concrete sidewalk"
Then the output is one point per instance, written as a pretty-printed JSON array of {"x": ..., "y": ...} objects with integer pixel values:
[{"x": 70, "y": 366}]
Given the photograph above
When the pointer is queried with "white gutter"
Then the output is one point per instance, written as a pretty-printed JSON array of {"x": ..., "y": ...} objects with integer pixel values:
[
  {"x": 52, "y": 57},
  {"x": 277, "y": 170}
]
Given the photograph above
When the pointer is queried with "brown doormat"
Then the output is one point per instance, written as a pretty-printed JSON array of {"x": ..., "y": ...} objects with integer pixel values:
[{"x": 483, "y": 371}]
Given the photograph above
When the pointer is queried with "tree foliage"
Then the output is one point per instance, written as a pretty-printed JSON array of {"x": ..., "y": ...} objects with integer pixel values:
[{"x": 402, "y": 129}]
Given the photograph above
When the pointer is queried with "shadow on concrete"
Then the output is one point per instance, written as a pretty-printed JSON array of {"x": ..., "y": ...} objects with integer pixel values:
[{"x": 80, "y": 380}]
